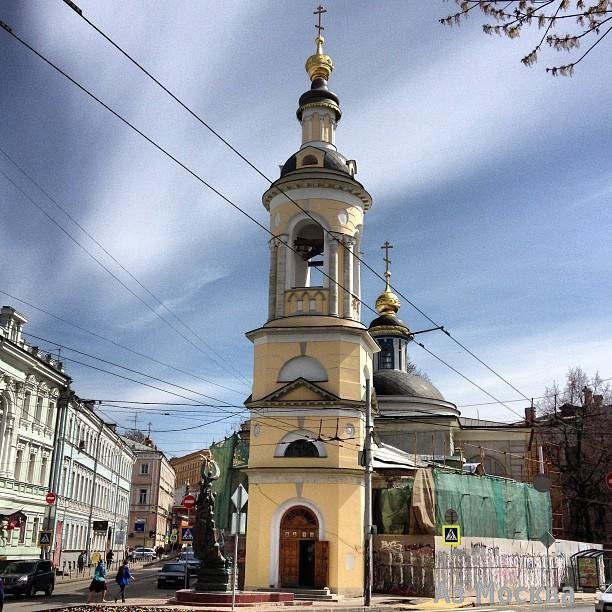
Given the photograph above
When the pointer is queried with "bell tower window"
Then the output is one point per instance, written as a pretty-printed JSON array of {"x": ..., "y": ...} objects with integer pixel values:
[
  {"x": 308, "y": 253},
  {"x": 386, "y": 359}
]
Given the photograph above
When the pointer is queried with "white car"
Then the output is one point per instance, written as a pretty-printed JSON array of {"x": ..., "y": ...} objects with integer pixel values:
[
  {"x": 143, "y": 553},
  {"x": 604, "y": 601}
]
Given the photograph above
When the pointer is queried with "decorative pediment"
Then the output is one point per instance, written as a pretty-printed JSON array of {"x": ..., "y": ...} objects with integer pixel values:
[{"x": 299, "y": 390}]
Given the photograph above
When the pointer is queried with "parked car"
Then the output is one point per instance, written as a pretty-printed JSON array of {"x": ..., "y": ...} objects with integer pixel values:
[
  {"x": 604, "y": 600},
  {"x": 172, "y": 574},
  {"x": 140, "y": 552},
  {"x": 188, "y": 557},
  {"x": 28, "y": 577}
]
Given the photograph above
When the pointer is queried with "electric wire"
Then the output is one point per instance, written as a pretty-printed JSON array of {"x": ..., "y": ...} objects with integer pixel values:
[
  {"x": 117, "y": 344},
  {"x": 103, "y": 266},
  {"x": 195, "y": 175},
  {"x": 132, "y": 276},
  {"x": 79, "y": 12},
  {"x": 69, "y": 348}
]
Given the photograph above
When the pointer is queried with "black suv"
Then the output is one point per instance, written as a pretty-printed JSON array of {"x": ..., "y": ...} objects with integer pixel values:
[{"x": 28, "y": 577}]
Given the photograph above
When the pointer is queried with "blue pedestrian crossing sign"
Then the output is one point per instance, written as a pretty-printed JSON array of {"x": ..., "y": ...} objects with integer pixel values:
[{"x": 187, "y": 534}]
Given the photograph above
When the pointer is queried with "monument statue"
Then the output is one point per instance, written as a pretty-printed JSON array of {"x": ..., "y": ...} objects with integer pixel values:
[{"x": 213, "y": 573}]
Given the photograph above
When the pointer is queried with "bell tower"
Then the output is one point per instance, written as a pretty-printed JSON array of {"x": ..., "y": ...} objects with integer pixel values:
[{"x": 312, "y": 358}]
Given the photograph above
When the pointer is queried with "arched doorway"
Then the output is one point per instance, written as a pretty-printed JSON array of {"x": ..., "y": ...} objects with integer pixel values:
[{"x": 303, "y": 557}]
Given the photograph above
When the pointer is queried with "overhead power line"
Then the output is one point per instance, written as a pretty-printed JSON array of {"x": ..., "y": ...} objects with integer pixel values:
[
  {"x": 114, "y": 343},
  {"x": 117, "y": 365},
  {"x": 221, "y": 363},
  {"x": 75, "y": 8},
  {"x": 238, "y": 208},
  {"x": 106, "y": 269}
]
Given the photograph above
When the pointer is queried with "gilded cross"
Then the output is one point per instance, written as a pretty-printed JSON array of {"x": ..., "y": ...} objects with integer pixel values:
[
  {"x": 320, "y": 10},
  {"x": 387, "y": 261}
]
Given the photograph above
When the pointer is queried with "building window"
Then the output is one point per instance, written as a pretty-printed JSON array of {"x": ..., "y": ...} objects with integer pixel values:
[
  {"x": 43, "y": 471},
  {"x": 18, "y": 465},
  {"x": 385, "y": 357},
  {"x": 38, "y": 412},
  {"x": 35, "y": 531},
  {"x": 22, "y": 532},
  {"x": 31, "y": 466},
  {"x": 144, "y": 468},
  {"x": 302, "y": 448},
  {"x": 27, "y": 399},
  {"x": 50, "y": 414},
  {"x": 142, "y": 496}
]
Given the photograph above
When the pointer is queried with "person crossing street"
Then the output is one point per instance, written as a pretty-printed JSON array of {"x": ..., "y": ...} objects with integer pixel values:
[{"x": 123, "y": 578}]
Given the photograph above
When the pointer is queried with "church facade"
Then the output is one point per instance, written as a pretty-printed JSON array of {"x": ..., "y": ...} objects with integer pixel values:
[{"x": 312, "y": 359}]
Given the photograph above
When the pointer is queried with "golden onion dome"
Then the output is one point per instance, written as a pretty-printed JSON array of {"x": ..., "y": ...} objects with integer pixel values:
[
  {"x": 387, "y": 302},
  {"x": 319, "y": 65}
]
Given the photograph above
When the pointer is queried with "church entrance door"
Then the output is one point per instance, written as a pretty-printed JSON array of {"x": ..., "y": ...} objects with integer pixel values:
[{"x": 303, "y": 558}]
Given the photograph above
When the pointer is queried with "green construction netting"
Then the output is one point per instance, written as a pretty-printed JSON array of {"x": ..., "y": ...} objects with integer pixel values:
[
  {"x": 486, "y": 506},
  {"x": 389, "y": 507},
  {"x": 230, "y": 454}
]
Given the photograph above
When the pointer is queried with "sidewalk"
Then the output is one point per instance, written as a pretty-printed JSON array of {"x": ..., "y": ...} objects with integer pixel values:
[{"x": 380, "y": 603}]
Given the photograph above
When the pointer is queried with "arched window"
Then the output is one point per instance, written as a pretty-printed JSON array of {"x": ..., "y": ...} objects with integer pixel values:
[
  {"x": 308, "y": 245},
  {"x": 302, "y": 443},
  {"x": 310, "y": 160},
  {"x": 302, "y": 448},
  {"x": 302, "y": 367}
]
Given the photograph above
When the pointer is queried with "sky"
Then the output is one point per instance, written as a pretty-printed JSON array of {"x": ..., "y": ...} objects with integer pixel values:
[{"x": 493, "y": 182}]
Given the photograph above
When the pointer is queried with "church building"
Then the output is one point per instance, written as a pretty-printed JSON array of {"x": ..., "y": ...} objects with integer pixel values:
[
  {"x": 312, "y": 359},
  {"x": 313, "y": 362}
]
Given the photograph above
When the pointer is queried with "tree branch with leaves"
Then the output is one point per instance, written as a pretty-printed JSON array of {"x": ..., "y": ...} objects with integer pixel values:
[{"x": 589, "y": 23}]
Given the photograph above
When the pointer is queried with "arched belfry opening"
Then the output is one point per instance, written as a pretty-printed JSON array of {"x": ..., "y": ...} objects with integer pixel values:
[
  {"x": 303, "y": 557},
  {"x": 309, "y": 248}
]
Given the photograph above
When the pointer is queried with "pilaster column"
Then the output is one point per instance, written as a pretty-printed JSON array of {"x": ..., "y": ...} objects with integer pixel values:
[
  {"x": 333, "y": 282},
  {"x": 281, "y": 275},
  {"x": 348, "y": 242},
  {"x": 272, "y": 278}
]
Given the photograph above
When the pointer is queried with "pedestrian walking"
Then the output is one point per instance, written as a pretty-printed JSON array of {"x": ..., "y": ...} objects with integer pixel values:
[
  {"x": 123, "y": 578},
  {"x": 81, "y": 562},
  {"x": 98, "y": 584},
  {"x": 109, "y": 558}
]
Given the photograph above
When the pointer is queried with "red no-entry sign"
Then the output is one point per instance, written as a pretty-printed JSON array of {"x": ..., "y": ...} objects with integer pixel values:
[
  {"x": 188, "y": 501},
  {"x": 609, "y": 480},
  {"x": 51, "y": 497}
]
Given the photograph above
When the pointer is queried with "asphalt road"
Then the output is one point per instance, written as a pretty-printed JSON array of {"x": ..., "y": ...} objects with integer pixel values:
[{"x": 72, "y": 593}]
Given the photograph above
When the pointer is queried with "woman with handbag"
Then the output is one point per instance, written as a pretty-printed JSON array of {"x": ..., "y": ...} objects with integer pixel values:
[{"x": 98, "y": 584}]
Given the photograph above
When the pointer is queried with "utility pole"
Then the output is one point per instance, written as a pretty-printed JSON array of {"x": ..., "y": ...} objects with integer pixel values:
[
  {"x": 93, "y": 490},
  {"x": 57, "y": 459},
  {"x": 367, "y": 452}
]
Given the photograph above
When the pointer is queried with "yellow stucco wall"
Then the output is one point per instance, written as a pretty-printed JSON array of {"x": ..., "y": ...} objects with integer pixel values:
[
  {"x": 339, "y": 508},
  {"x": 343, "y": 361}
]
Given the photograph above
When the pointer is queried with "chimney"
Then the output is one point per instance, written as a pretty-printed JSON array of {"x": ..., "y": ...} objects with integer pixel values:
[
  {"x": 588, "y": 396},
  {"x": 530, "y": 413}
]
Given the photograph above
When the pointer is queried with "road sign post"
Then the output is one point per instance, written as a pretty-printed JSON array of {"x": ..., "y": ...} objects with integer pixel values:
[
  {"x": 187, "y": 534},
  {"x": 239, "y": 499},
  {"x": 44, "y": 538}
]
